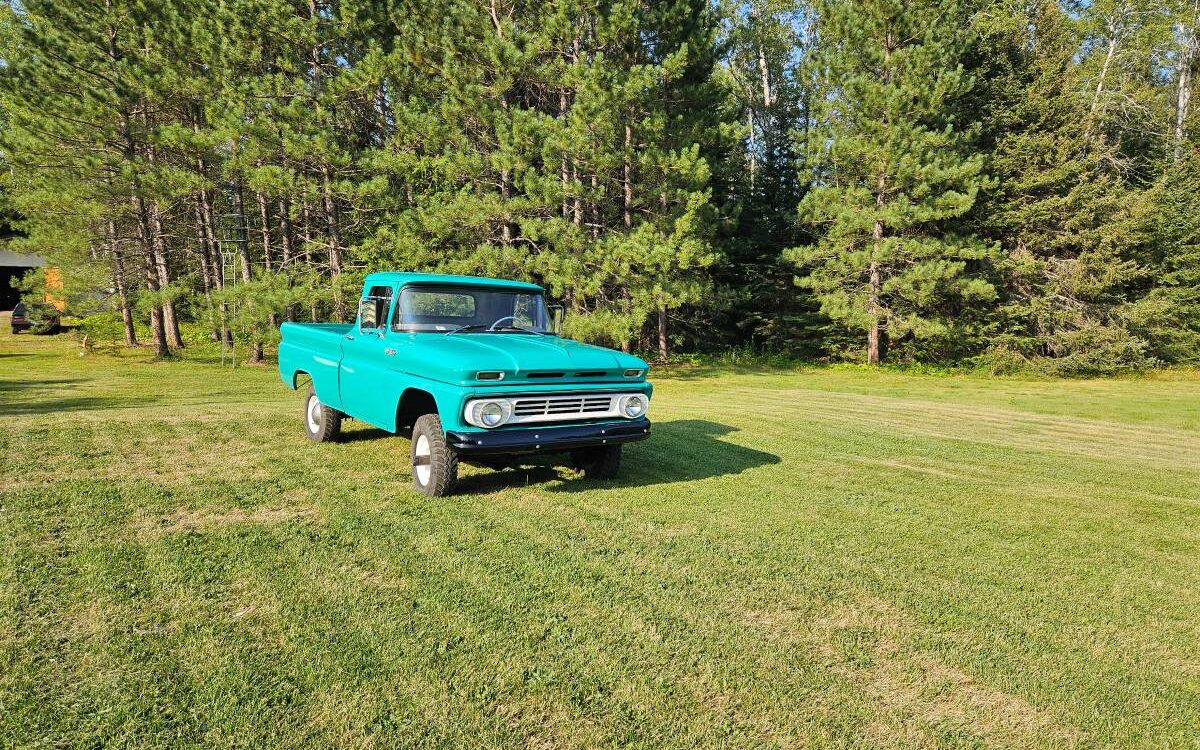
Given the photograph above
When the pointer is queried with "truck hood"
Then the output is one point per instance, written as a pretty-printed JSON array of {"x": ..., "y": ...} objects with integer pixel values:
[{"x": 549, "y": 359}]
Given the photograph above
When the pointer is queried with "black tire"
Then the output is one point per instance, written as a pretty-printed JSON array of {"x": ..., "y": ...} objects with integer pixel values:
[
  {"x": 322, "y": 424},
  {"x": 429, "y": 451},
  {"x": 603, "y": 462}
]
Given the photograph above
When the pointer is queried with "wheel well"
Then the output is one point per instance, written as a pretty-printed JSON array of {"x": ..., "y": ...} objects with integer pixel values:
[
  {"x": 296, "y": 378},
  {"x": 413, "y": 403}
]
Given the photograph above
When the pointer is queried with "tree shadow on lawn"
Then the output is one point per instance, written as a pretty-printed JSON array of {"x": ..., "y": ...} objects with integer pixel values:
[
  {"x": 681, "y": 450},
  {"x": 54, "y": 395},
  {"x": 39, "y": 385}
]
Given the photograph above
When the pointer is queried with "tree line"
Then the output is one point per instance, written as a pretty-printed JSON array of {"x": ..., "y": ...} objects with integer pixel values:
[{"x": 1013, "y": 182}]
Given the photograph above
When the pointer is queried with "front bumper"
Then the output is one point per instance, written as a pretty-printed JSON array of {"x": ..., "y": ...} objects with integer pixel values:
[{"x": 547, "y": 439}]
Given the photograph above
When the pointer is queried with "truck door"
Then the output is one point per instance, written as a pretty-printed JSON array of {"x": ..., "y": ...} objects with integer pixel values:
[{"x": 364, "y": 364}]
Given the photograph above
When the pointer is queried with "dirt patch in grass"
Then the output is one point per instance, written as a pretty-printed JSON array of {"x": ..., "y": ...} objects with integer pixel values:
[
  {"x": 171, "y": 454},
  {"x": 864, "y": 640},
  {"x": 912, "y": 466},
  {"x": 206, "y": 519}
]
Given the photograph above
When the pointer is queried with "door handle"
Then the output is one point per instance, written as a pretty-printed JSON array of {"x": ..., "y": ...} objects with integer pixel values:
[{"x": 348, "y": 337}]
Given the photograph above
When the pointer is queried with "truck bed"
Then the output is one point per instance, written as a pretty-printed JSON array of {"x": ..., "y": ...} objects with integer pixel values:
[
  {"x": 339, "y": 329},
  {"x": 314, "y": 349}
]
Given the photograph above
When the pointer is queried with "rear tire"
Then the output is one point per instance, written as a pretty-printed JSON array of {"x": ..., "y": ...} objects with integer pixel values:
[
  {"x": 603, "y": 462},
  {"x": 434, "y": 464},
  {"x": 322, "y": 424}
]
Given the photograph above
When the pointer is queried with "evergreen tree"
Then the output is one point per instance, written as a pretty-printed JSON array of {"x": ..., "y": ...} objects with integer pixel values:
[
  {"x": 560, "y": 143},
  {"x": 1167, "y": 317},
  {"x": 76, "y": 90},
  {"x": 768, "y": 91},
  {"x": 1066, "y": 219},
  {"x": 895, "y": 168},
  {"x": 242, "y": 162}
]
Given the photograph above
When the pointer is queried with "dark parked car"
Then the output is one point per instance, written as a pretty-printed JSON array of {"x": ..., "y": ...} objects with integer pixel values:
[{"x": 22, "y": 320}]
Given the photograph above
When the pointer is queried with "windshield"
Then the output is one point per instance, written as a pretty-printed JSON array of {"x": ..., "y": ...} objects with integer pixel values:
[{"x": 448, "y": 308}]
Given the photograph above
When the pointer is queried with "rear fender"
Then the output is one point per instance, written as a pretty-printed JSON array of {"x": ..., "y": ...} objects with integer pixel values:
[{"x": 297, "y": 364}]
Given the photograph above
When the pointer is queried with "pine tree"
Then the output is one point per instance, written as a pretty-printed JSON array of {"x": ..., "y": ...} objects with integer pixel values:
[
  {"x": 76, "y": 91},
  {"x": 768, "y": 92},
  {"x": 559, "y": 143},
  {"x": 1062, "y": 211},
  {"x": 1167, "y": 317},
  {"x": 896, "y": 167}
]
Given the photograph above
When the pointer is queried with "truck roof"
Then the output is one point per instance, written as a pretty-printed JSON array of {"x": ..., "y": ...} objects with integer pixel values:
[{"x": 400, "y": 278}]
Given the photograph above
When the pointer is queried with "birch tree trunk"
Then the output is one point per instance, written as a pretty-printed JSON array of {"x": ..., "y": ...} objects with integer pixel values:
[
  {"x": 1108, "y": 57},
  {"x": 765, "y": 75},
  {"x": 1182, "y": 104},
  {"x": 1183, "y": 79},
  {"x": 1115, "y": 26}
]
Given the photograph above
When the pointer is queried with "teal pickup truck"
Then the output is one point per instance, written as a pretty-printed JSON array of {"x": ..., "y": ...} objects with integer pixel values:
[{"x": 475, "y": 369}]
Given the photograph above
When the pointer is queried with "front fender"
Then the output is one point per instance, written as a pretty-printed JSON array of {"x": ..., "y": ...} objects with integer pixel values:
[{"x": 447, "y": 396}]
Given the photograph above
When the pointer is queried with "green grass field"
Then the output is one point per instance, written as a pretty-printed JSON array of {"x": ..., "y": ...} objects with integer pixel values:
[{"x": 810, "y": 558}]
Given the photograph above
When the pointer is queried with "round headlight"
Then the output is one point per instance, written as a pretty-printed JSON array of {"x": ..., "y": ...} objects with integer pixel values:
[
  {"x": 488, "y": 413},
  {"x": 491, "y": 414},
  {"x": 634, "y": 406}
]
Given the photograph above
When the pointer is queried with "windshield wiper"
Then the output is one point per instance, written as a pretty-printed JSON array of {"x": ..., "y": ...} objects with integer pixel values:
[
  {"x": 523, "y": 330},
  {"x": 467, "y": 327}
]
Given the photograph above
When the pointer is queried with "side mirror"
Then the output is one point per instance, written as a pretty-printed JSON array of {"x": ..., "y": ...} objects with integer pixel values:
[
  {"x": 366, "y": 315},
  {"x": 558, "y": 314}
]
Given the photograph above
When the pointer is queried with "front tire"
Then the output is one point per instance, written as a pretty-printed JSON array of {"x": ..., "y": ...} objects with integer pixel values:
[
  {"x": 434, "y": 464},
  {"x": 322, "y": 424},
  {"x": 603, "y": 462}
]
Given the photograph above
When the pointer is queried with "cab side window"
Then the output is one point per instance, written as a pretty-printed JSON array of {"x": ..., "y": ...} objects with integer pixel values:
[{"x": 374, "y": 309}]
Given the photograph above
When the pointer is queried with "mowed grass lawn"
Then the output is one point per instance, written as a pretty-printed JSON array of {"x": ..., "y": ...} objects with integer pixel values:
[{"x": 810, "y": 558}]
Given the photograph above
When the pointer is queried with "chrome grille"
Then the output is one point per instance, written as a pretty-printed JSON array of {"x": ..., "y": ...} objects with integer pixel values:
[
  {"x": 536, "y": 408},
  {"x": 561, "y": 406}
]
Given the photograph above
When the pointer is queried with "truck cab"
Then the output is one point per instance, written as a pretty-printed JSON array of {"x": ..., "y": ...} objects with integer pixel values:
[{"x": 473, "y": 369}]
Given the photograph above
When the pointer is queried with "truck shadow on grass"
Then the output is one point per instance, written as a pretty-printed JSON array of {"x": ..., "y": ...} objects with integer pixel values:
[{"x": 681, "y": 450}]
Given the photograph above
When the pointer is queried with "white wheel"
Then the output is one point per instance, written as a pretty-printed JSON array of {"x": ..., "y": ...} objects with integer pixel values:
[
  {"x": 313, "y": 413},
  {"x": 421, "y": 465},
  {"x": 434, "y": 464},
  {"x": 321, "y": 423}
]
